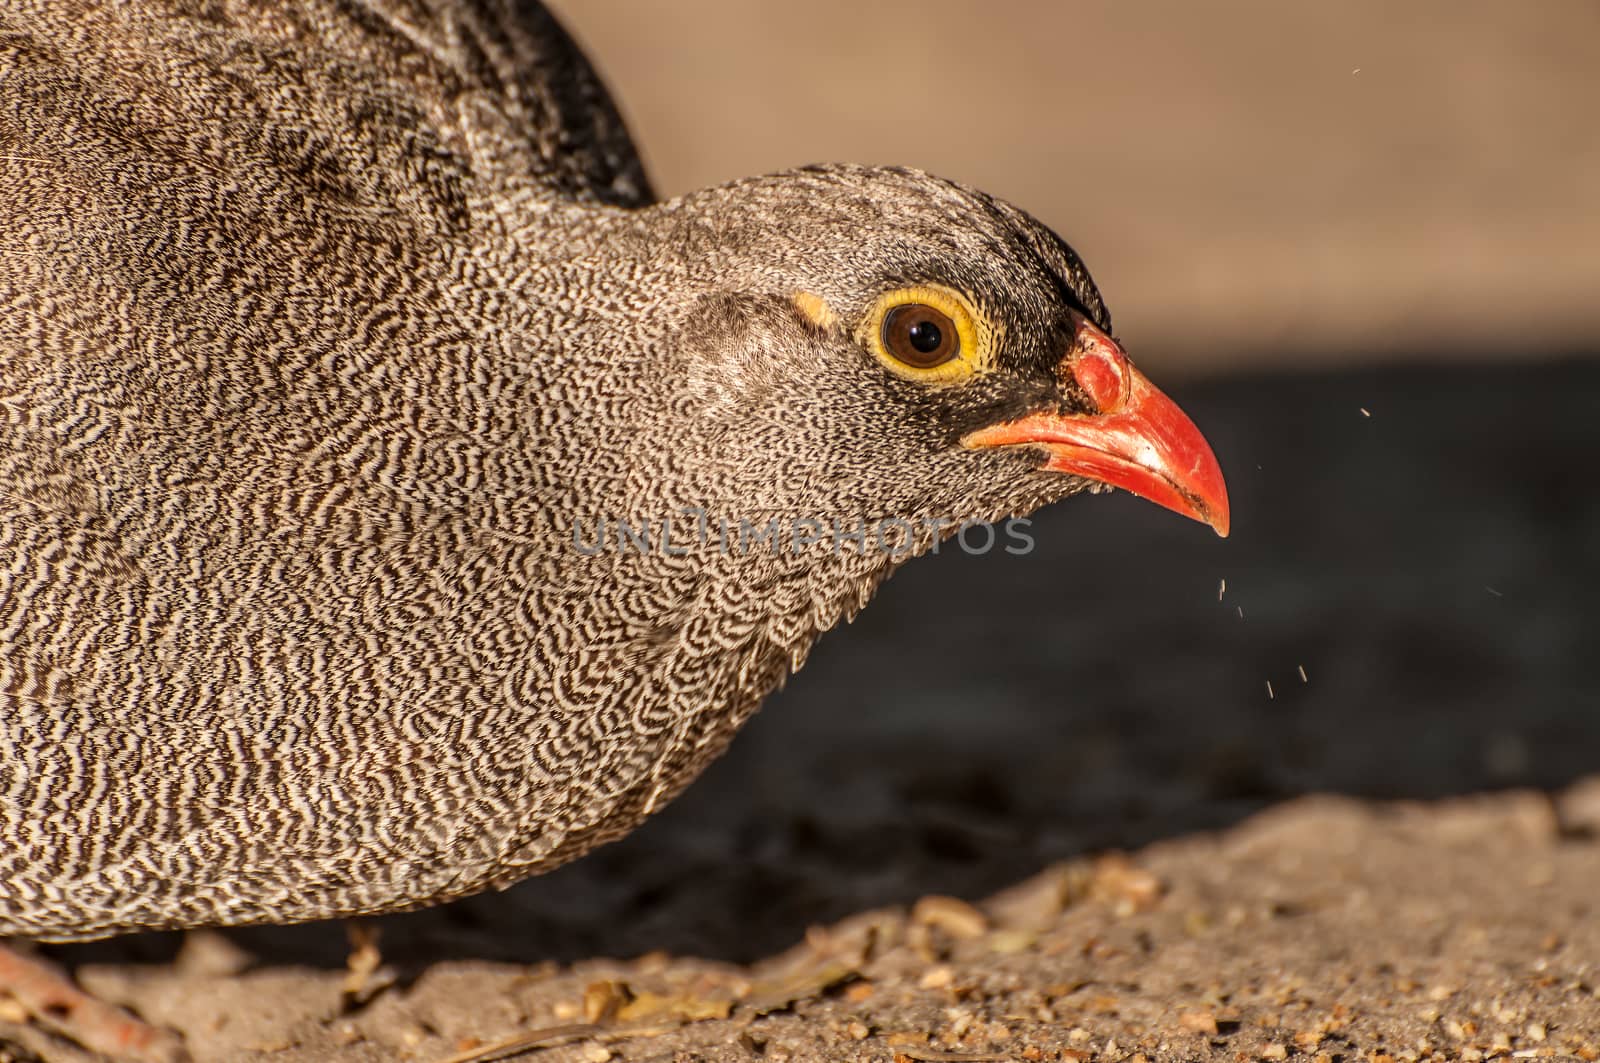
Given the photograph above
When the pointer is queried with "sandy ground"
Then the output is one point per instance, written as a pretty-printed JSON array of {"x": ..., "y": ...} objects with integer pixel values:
[
  {"x": 1396, "y": 854},
  {"x": 1326, "y": 928}
]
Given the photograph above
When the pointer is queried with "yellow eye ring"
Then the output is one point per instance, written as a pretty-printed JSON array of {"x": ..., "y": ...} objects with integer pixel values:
[{"x": 927, "y": 333}]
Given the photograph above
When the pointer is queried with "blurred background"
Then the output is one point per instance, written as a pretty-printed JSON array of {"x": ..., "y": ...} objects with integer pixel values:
[
  {"x": 1252, "y": 182},
  {"x": 1360, "y": 244}
]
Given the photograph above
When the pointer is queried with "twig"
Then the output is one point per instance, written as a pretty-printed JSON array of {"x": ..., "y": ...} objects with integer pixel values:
[
  {"x": 934, "y": 1055},
  {"x": 551, "y": 1036},
  {"x": 547, "y": 1037}
]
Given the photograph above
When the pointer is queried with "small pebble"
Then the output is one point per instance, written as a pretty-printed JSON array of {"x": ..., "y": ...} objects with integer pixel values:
[
  {"x": 602, "y": 1000},
  {"x": 208, "y": 954},
  {"x": 905, "y": 1037},
  {"x": 1132, "y": 888},
  {"x": 952, "y": 915},
  {"x": 859, "y": 991},
  {"x": 1007, "y": 942}
]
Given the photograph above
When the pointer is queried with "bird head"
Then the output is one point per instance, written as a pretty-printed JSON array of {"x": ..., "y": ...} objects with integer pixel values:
[{"x": 882, "y": 342}]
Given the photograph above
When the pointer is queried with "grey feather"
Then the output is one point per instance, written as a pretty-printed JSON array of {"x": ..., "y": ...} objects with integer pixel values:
[{"x": 324, "y": 328}]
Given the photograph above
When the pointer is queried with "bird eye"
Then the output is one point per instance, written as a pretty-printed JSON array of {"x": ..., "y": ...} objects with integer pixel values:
[
  {"x": 920, "y": 336},
  {"x": 928, "y": 333}
]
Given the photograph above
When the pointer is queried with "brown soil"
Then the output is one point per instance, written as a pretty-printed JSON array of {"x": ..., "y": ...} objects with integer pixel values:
[{"x": 1326, "y": 928}]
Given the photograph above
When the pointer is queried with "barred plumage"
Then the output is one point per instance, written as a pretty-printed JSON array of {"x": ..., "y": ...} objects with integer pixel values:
[{"x": 322, "y": 328}]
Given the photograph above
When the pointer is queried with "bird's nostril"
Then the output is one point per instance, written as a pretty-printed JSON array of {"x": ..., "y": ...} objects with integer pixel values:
[{"x": 1100, "y": 368}]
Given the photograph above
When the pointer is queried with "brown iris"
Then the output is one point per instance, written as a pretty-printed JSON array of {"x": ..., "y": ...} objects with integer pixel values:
[{"x": 920, "y": 336}]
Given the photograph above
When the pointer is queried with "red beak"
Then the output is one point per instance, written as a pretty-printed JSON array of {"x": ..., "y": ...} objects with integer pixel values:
[{"x": 1138, "y": 440}]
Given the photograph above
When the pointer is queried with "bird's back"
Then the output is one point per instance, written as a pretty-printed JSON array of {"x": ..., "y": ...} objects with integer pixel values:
[
  {"x": 245, "y": 429},
  {"x": 326, "y": 329}
]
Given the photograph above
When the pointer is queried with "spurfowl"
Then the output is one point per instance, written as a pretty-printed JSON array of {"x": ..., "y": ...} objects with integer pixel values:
[{"x": 397, "y": 501}]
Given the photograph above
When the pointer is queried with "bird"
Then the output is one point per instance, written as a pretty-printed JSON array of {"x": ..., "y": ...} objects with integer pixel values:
[{"x": 399, "y": 499}]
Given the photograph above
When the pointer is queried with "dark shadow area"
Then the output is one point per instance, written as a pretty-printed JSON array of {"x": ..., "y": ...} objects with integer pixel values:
[{"x": 1432, "y": 567}]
